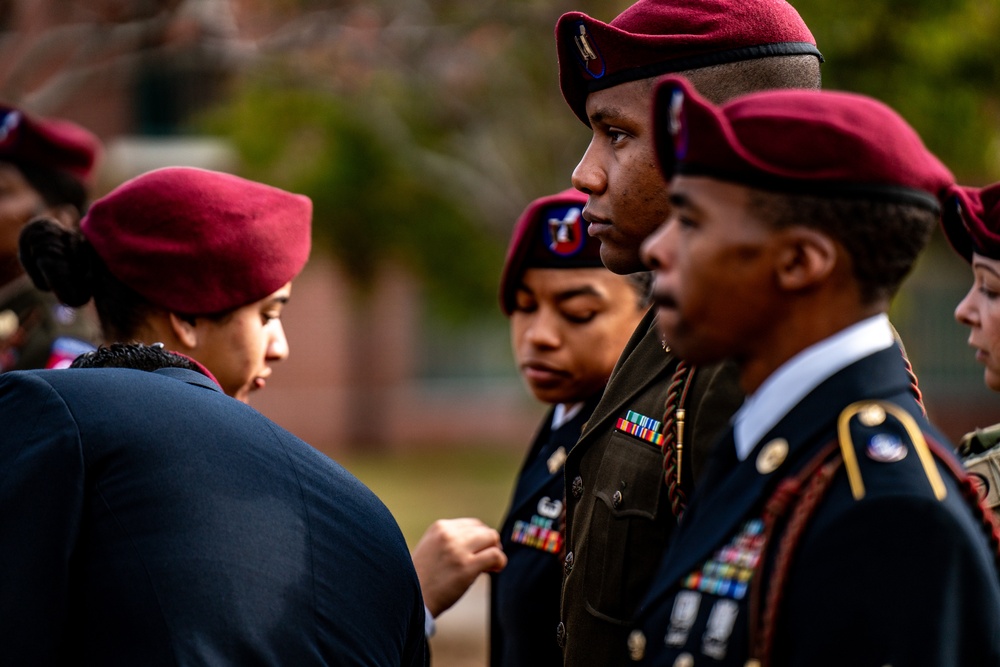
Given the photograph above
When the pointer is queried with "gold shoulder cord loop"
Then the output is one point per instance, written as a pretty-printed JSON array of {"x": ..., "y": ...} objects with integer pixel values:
[{"x": 864, "y": 409}]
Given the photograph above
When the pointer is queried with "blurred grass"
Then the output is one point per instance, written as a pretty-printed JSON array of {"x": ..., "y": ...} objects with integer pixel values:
[{"x": 420, "y": 486}]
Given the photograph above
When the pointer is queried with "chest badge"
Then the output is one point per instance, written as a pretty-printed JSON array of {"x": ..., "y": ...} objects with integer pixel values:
[
  {"x": 541, "y": 531},
  {"x": 728, "y": 572},
  {"x": 682, "y": 617},
  {"x": 556, "y": 461},
  {"x": 719, "y": 628},
  {"x": 641, "y": 426}
]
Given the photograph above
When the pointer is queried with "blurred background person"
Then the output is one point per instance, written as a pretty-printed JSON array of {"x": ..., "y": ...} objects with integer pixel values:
[
  {"x": 199, "y": 260},
  {"x": 46, "y": 167},
  {"x": 971, "y": 223},
  {"x": 569, "y": 318},
  {"x": 181, "y": 527}
]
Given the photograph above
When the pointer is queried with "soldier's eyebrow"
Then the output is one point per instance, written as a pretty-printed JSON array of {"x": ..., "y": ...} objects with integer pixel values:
[
  {"x": 680, "y": 201},
  {"x": 610, "y": 114},
  {"x": 602, "y": 114},
  {"x": 986, "y": 267},
  {"x": 585, "y": 290},
  {"x": 279, "y": 300}
]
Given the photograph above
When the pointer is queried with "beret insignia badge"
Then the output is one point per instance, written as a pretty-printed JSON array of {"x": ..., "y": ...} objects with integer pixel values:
[
  {"x": 564, "y": 233},
  {"x": 590, "y": 57},
  {"x": 675, "y": 121}
]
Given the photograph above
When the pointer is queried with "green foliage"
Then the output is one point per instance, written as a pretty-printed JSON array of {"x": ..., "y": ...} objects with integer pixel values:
[
  {"x": 371, "y": 204},
  {"x": 934, "y": 61},
  {"x": 421, "y": 128}
]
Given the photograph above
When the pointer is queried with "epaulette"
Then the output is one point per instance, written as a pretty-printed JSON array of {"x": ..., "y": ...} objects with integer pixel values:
[{"x": 884, "y": 425}]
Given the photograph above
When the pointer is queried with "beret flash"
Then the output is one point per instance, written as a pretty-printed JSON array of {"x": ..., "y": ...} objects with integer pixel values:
[
  {"x": 798, "y": 142},
  {"x": 971, "y": 221},
  {"x": 550, "y": 234},
  {"x": 51, "y": 143},
  {"x": 200, "y": 242},
  {"x": 655, "y": 37}
]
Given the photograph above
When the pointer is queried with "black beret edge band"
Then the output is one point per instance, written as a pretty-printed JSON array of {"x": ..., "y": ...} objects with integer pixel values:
[
  {"x": 704, "y": 60},
  {"x": 887, "y": 193}
]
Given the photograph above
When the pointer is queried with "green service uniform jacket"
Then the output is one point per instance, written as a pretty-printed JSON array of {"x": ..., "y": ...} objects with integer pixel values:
[{"x": 618, "y": 515}]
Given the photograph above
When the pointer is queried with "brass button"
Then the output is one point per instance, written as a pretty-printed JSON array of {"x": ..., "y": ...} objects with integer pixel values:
[
  {"x": 616, "y": 499},
  {"x": 771, "y": 456},
  {"x": 561, "y": 634},
  {"x": 872, "y": 414},
  {"x": 569, "y": 562},
  {"x": 577, "y": 487}
]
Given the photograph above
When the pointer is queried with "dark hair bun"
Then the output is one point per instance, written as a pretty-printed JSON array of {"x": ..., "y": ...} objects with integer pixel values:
[{"x": 57, "y": 260}]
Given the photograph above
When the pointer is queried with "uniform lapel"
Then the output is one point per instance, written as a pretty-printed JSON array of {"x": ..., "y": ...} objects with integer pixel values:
[
  {"x": 523, "y": 494},
  {"x": 642, "y": 360}
]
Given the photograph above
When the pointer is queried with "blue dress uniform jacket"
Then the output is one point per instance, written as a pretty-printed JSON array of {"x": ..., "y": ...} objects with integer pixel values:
[
  {"x": 524, "y": 605},
  {"x": 618, "y": 513},
  {"x": 148, "y": 519},
  {"x": 898, "y": 577}
]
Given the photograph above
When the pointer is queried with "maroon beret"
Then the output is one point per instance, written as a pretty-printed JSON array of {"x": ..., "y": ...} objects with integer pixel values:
[
  {"x": 200, "y": 242},
  {"x": 971, "y": 221},
  {"x": 550, "y": 234},
  {"x": 797, "y": 142},
  {"x": 654, "y": 37},
  {"x": 54, "y": 144}
]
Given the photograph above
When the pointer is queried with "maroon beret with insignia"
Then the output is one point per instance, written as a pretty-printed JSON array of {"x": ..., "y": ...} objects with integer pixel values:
[
  {"x": 51, "y": 143},
  {"x": 798, "y": 142},
  {"x": 550, "y": 234},
  {"x": 200, "y": 242},
  {"x": 971, "y": 221},
  {"x": 654, "y": 37}
]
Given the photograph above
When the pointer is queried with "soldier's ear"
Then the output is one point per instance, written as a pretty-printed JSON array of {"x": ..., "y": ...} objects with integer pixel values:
[
  {"x": 185, "y": 330},
  {"x": 805, "y": 258}
]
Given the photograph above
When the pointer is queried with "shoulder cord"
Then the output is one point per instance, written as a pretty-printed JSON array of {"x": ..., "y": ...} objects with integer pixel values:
[
  {"x": 914, "y": 385},
  {"x": 673, "y": 436},
  {"x": 980, "y": 510},
  {"x": 800, "y": 496}
]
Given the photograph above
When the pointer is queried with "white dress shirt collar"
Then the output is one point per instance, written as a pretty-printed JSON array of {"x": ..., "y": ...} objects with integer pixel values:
[
  {"x": 564, "y": 412},
  {"x": 798, "y": 376}
]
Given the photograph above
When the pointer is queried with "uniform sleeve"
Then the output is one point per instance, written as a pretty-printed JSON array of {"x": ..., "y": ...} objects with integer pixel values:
[
  {"x": 714, "y": 396},
  {"x": 41, "y": 491},
  {"x": 898, "y": 580}
]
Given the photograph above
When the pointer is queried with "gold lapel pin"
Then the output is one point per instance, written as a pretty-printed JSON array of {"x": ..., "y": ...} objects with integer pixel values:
[{"x": 772, "y": 455}]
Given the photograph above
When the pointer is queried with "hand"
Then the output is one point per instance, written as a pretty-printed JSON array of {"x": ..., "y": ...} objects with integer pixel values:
[{"x": 449, "y": 557}]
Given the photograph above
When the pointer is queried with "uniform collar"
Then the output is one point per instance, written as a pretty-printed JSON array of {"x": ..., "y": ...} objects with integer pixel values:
[
  {"x": 564, "y": 412},
  {"x": 189, "y": 376},
  {"x": 798, "y": 376}
]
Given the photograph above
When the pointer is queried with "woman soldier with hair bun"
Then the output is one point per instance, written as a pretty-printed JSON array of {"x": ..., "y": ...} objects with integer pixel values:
[
  {"x": 46, "y": 169},
  {"x": 199, "y": 260}
]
